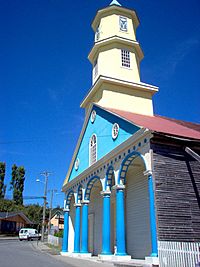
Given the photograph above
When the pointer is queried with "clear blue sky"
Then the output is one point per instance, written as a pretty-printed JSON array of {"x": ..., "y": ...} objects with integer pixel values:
[{"x": 45, "y": 74}]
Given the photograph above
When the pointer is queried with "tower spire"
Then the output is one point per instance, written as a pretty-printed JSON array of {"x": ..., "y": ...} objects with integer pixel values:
[{"x": 115, "y": 2}]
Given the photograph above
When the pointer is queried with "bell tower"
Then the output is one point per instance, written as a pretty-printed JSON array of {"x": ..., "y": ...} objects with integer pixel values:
[{"x": 116, "y": 57}]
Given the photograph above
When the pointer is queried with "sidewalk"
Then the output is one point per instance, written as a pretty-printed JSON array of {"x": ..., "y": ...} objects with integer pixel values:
[
  {"x": 92, "y": 262},
  {"x": 7, "y": 237},
  {"x": 70, "y": 260}
]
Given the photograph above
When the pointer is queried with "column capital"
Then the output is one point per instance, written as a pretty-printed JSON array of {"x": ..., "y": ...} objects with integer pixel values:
[
  {"x": 86, "y": 201},
  {"x": 148, "y": 172},
  {"x": 119, "y": 187},
  {"x": 77, "y": 205},
  {"x": 105, "y": 193},
  {"x": 66, "y": 210}
]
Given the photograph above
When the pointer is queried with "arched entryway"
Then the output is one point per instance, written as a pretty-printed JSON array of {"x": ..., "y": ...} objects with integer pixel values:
[
  {"x": 94, "y": 187},
  {"x": 70, "y": 204},
  {"x": 109, "y": 185},
  {"x": 137, "y": 219}
]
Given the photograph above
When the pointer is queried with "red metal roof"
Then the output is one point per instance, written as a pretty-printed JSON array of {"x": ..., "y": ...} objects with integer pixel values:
[{"x": 161, "y": 124}]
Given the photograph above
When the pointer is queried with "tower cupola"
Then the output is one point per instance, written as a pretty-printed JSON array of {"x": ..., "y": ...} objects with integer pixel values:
[
  {"x": 115, "y": 57},
  {"x": 116, "y": 52}
]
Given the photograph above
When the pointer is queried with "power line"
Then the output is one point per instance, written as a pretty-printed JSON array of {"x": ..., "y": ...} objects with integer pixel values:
[
  {"x": 45, "y": 140},
  {"x": 9, "y": 197}
]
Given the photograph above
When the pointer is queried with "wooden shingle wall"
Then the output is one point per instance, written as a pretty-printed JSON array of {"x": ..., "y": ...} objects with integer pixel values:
[{"x": 177, "y": 190}]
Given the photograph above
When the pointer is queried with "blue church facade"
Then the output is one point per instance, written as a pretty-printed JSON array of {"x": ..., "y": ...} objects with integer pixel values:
[
  {"x": 114, "y": 158},
  {"x": 129, "y": 168}
]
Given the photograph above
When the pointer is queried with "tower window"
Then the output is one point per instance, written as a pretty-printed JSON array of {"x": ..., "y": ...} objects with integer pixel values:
[
  {"x": 125, "y": 58},
  {"x": 93, "y": 149},
  {"x": 97, "y": 34},
  {"x": 95, "y": 68},
  {"x": 123, "y": 24}
]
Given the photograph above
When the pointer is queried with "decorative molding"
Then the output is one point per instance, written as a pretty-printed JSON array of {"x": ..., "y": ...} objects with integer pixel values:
[
  {"x": 111, "y": 156},
  {"x": 85, "y": 201},
  {"x": 114, "y": 158},
  {"x": 118, "y": 187},
  {"x": 77, "y": 204},
  {"x": 105, "y": 193},
  {"x": 66, "y": 210}
]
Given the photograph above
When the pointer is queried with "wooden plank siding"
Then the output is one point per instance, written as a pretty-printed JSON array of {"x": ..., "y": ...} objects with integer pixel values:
[{"x": 177, "y": 188}]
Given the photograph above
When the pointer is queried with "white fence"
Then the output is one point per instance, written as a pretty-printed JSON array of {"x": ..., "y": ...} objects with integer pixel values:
[
  {"x": 53, "y": 240},
  {"x": 178, "y": 254}
]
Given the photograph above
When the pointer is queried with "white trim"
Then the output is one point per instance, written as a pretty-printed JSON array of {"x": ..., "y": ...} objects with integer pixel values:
[
  {"x": 87, "y": 117},
  {"x": 77, "y": 204},
  {"x": 139, "y": 135}
]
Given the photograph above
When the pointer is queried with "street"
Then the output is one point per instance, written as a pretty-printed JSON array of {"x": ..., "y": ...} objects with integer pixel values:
[
  {"x": 14, "y": 253},
  {"x": 22, "y": 254}
]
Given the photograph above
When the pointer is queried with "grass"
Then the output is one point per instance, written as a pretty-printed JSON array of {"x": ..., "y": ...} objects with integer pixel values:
[{"x": 56, "y": 248}]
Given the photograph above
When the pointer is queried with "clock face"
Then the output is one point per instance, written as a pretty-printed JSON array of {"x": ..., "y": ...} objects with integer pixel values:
[{"x": 123, "y": 24}]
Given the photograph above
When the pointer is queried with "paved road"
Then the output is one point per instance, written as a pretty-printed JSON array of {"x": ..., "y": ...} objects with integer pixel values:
[{"x": 14, "y": 253}]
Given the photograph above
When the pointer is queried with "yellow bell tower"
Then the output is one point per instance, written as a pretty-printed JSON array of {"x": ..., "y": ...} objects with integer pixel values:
[{"x": 116, "y": 57}]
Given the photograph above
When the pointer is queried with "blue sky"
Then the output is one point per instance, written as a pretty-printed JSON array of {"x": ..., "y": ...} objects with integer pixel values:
[{"x": 45, "y": 74}]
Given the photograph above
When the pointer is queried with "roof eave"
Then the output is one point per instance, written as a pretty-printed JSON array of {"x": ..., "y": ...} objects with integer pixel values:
[
  {"x": 115, "y": 40},
  {"x": 102, "y": 11},
  {"x": 102, "y": 79}
]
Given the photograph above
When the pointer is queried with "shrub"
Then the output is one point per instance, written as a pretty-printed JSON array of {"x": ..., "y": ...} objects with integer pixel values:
[{"x": 59, "y": 234}]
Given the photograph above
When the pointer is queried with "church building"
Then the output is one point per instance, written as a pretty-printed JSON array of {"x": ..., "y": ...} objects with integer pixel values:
[{"x": 132, "y": 190}]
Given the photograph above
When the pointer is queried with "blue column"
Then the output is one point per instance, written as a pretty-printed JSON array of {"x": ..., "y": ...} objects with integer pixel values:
[
  {"x": 120, "y": 221},
  {"x": 84, "y": 246},
  {"x": 152, "y": 218},
  {"x": 66, "y": 231},
  {"x": 106, "y": 224},
  {"x": 77, "y": 229}
]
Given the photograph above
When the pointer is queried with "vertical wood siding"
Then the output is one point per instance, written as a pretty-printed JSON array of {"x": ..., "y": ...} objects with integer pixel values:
[
  {"x": 137, "y": 214},
  {"x": 177, "y": 189}
]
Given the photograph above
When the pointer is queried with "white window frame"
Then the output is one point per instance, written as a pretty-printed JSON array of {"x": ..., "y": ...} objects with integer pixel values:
[
  {"x": 125, "y": 58},
  {"x": 92, "y": 161},
  {"x": 125, "y": 20}
]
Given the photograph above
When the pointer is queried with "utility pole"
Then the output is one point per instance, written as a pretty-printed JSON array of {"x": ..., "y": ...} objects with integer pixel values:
[
  {"x": 46, "y": 175},
  {"x": 50, "y": 207}
]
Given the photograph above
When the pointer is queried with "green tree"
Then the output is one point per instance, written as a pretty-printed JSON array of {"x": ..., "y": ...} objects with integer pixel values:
[
  {"x": 2, "y": 177},
  {"x": 17, "y": 183},
  {"x": 32, "y": 211},
  {"x": 7, "y": 205},
  {"x": 21, "y": 179}
]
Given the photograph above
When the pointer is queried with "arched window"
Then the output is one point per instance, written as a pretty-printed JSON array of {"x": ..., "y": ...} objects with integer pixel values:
[{"x": 93, "y": 149}]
